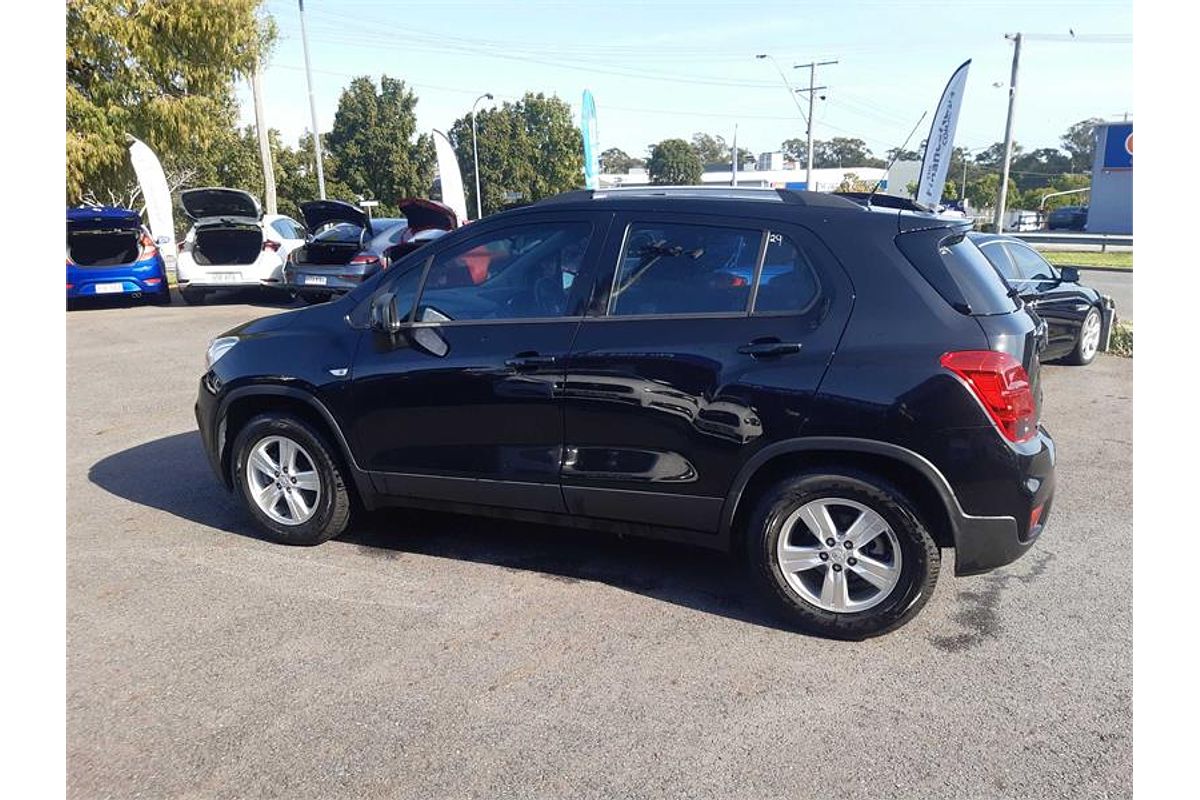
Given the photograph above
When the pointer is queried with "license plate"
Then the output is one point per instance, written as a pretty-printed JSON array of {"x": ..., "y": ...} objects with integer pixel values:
[
  {"x": 314, "y": 280},
  {"x": 110, "y": 288},
  {"x": 226, "y": 277}
]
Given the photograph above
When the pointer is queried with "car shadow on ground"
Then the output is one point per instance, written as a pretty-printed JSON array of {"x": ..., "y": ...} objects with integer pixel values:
[{"x": 172, "y": 474}]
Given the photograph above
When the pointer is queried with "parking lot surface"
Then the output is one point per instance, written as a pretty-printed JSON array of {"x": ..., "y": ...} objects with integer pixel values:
[{"x": 429, "y": 655}]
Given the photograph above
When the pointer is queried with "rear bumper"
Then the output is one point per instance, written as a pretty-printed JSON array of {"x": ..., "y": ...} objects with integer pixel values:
[
  {"x": 266, "y": 270},
  {"x": 303, "y": 281},
  {"x": 141, "y": 278},
  {"x": 984, "y": 543}
]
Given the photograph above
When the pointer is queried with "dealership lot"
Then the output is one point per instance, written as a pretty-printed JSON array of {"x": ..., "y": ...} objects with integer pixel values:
[{"x": 433, "y": 655}]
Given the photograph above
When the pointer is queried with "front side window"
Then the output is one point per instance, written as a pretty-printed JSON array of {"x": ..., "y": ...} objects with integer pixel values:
[
  {"x": 284, "y": 228},
  {"x": 522, "y": 272},
  {"x": 788, "y": 282},
  {"x": 670, "y": 268},
  {"x": 1032, "y": 266}
]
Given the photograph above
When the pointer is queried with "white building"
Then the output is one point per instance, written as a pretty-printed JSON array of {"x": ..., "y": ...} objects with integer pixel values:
[{"x": 771, "y": 170}]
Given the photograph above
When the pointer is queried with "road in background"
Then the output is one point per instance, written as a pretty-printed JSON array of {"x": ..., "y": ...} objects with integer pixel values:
[
  {"x": 431, "y": 655},
  {"x": 1117, "y": 285}
]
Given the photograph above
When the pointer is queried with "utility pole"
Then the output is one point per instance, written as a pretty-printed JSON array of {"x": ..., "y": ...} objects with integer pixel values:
[
  {"x": 812, "y": 91},
  {"x": 1008, "y": 132},
  {"x": 312, "y": 107},
  {"x": 733, "y": 174},
  {"x": 264, "y": 140}
]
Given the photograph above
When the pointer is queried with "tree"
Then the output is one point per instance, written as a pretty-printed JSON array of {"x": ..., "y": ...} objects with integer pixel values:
[
  {"x": 985, "y": 190},
  {"x": 1035, "y": 169},
  {"x": 844, "y": 152},
  {"x": 745, "y": 158},
  {"x": 1080, "y": 143},
  {"x": 710, "y": 149},
  {"x": 673, "y": 162},
  {"x": 992, "y": 158},
  {"x": 374, "y": 143},
  {"x": 531, "y": 147},
  {"x": 796, "y": 150},
  {"x": 614, "y": 159},
  {"x": 1061, "y": 183},
  {"x": 163, "y": 72},
  {"x": 900, "y": 154}
]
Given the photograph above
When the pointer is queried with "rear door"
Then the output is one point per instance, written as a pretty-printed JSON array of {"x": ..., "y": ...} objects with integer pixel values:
[
  {"x": 703, "y": 333},
  {"x": 462, "y": 405}
]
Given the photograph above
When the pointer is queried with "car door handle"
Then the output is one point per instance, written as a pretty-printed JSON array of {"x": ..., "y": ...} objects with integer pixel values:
[
  {"x": 764, "y": 348},
  {"x": 530, "y": 361}
]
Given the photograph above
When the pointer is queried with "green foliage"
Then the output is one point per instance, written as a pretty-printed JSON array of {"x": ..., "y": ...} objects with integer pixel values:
[
  {"x": 673, "y": 162},
  {"x": 163, "y": 72},
  {"x": 710, "y": 149},
  {"x": 374, "y": 146},
  {"x": 841, "y": 151},
  {"x": 983, "y": 190},
  {"x": 531, "y": 147},
  {"x": 1121, "y": 343},
  {"x": 1080, "y": 143},
  {"x": 616, "y": 160},
  {"x": 795, "y": 149}
]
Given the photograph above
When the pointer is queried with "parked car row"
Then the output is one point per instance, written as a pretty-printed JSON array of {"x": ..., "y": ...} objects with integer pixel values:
[{"x": 233, "y": 245}]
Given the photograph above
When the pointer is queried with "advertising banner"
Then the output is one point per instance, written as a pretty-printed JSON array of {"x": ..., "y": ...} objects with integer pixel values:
[{"x": 940, "y": 144}]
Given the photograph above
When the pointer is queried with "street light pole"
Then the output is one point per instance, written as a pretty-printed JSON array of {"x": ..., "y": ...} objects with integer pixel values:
[
  {"x": 312, "y": 107},
  {"x": 1008, "y": 132},
  {"x": 475, "y": 155},
  {"x": 812, "y": 91}
]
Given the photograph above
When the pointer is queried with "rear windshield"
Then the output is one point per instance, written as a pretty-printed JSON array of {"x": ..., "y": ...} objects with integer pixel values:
[
  {"x": 340, "y": 232},
  {"x": 959, "y": 272}
]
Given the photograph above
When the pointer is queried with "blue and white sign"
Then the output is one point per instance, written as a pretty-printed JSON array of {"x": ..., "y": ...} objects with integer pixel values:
[
  {"x": 940, "y": 145},
  {"x": 1118, "y": 147}
]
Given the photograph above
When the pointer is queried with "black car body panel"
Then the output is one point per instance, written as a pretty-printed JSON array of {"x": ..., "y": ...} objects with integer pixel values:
[{"x": 597, "y": 409}]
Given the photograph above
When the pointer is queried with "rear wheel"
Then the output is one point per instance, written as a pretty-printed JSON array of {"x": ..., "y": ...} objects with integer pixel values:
[
  {"x": 193, "y": 297},
  {"x": 289, "y": 480},
  {"x": 1088, "y": 343},
  {"x": 313, "y": 298},
  {"x": 841, "y": 553}
]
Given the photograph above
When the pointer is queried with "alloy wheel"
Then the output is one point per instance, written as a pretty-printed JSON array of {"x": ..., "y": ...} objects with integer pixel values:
[
  {"x": 839, "y": 555},
  {"x": 283, "y": 480},
  {"x": 1089, "y": 341}
]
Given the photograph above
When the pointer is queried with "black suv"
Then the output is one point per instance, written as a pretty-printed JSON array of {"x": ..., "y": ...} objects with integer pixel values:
[{"x": 836, "y": 389}]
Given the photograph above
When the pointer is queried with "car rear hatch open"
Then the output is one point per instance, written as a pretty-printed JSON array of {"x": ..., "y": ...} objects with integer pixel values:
[
  {"x": 228, "y": 228},
  {"x": 341, "y": 229},
  {"x": 103, "y": 236},
  {"x": 427, "y": 221}
]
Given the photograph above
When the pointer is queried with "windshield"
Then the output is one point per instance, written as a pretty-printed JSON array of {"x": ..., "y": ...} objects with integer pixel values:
[{"x": 960, "y": 273}]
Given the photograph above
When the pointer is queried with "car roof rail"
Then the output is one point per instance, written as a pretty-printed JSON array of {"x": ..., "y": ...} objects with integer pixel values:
[{"x": 753, "y": 193}]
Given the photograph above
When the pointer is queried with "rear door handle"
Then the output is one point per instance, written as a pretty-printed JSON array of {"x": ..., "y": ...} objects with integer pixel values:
[
  {"x": 761, "y": 349},
  {"x": 530, "y": 361}
]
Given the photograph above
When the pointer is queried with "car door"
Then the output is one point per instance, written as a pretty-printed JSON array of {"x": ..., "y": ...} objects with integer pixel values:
[
  {"x": 1062, "y": 305},
  {"x": 462, "y": 403},
  {"x": 702, "y": 333}
]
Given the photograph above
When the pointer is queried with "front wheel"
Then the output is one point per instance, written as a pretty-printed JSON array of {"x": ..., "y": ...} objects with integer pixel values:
[
  {"x": 842, "y": 554},
  {"x": 1088, "y": 343},
  {"x": 290, "y": 482}
]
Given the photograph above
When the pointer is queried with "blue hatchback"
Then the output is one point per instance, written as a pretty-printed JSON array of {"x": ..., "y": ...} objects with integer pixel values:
[{"x": 110, "y": 253}]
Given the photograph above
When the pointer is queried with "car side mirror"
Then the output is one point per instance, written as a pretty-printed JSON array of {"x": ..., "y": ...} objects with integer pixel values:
[
  {"x": 1068, "y": 275},
  {"x": 384, "y": 316}
]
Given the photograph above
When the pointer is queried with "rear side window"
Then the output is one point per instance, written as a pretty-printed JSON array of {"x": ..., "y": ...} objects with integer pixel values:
[
  {"x": 962, "y": 275},
  {"x": 675, "y": 268},
  {"x": 788, "y": 282},
  {"x": 999, "y": 257}
]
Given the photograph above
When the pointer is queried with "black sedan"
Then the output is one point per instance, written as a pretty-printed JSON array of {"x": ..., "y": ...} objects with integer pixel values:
[{"x": 1077, "y": 317}]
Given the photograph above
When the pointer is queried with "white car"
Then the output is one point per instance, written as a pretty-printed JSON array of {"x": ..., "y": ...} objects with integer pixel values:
[{"x": 232, "y": 245}]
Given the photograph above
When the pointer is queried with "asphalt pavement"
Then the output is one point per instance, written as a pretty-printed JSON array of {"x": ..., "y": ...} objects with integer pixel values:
[
  {"x": 430, "y": 655},
  {"x": 1116, "y": 284}
]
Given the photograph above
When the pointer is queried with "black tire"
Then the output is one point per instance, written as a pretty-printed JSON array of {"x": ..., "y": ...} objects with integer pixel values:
[
  {"x": 332, "y": 513},
  {"x": 313, "y": 298},
  {"x": 193, "y": 297},
  {"x": 1076, "y": 356},
  {"x": 920, "y": 556}
]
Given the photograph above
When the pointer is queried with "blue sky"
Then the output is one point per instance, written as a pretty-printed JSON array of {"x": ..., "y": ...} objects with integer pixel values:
[{"x": 670, "y": 69}]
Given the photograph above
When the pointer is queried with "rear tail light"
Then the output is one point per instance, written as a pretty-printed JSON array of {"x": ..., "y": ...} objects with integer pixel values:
[
  {"x": 148, "y": 248},
  {"x": 70, "y": 286},
  {"x": 270, "y": 244},
  {"x": 364, "y": 259},
  {"x": 1000, "y": 383},
  {"x": 152, "y": 281}
]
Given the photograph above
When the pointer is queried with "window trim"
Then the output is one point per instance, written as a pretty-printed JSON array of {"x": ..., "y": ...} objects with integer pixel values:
[
  {"x": 816, "y": 274},
  {"x": 616, "y": 274}
]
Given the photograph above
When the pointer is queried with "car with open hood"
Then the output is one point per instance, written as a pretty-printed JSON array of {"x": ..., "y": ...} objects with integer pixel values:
[
  {"x": 232, "y": 244},
  {"x": 110, "y": 253},
  {"x": 347, "y": 247}
]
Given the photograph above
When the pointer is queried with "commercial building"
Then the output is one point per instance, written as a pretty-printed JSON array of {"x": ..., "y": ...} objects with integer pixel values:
[
  {"x": 771, "y": 170},
  {"x": 1110, "y": 207}
]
